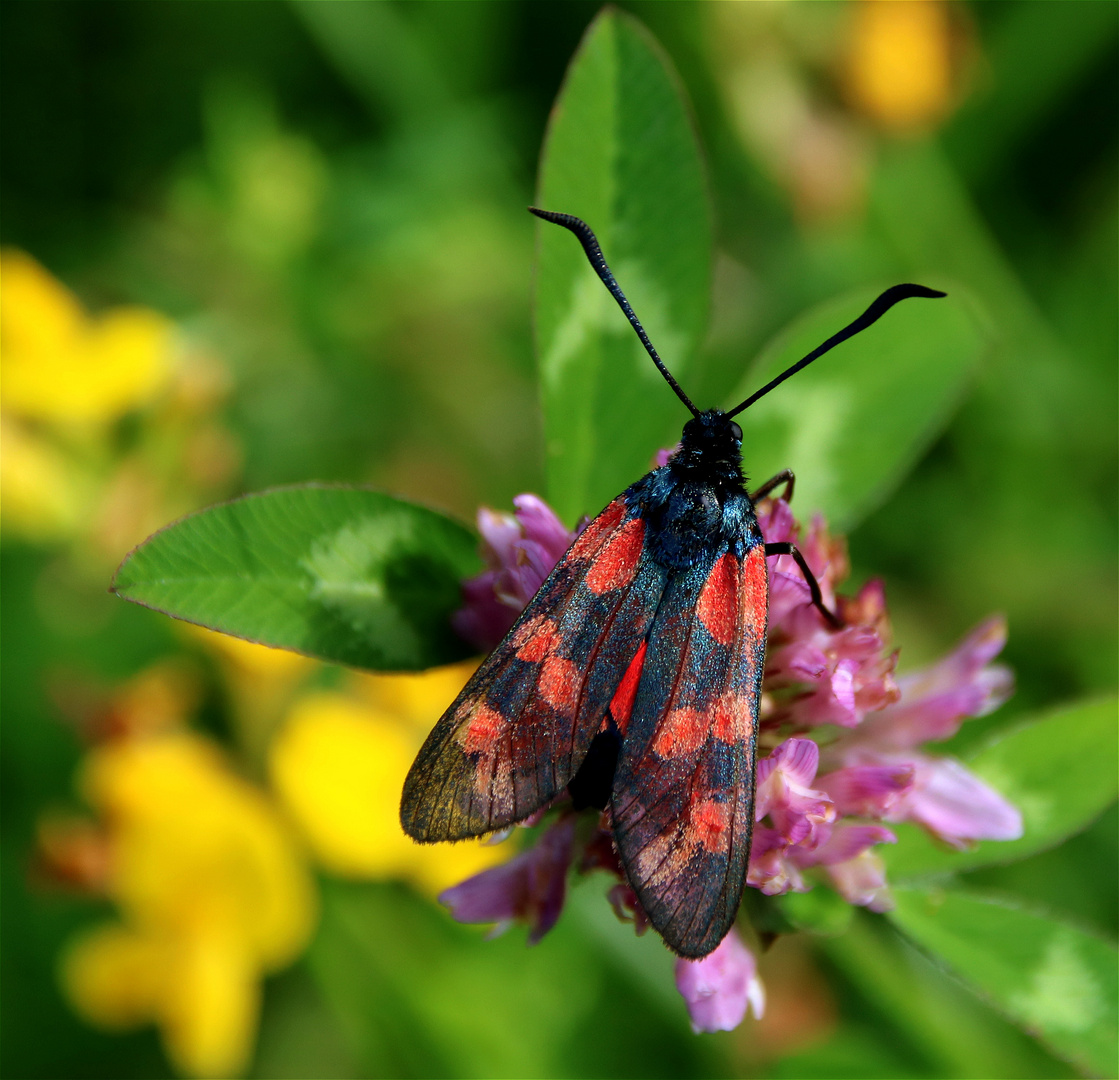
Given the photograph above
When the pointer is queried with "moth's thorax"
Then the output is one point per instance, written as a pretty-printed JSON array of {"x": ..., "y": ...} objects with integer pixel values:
[
  {"x": 697, "y": 503},
  {"x": 710, "y": 452}
]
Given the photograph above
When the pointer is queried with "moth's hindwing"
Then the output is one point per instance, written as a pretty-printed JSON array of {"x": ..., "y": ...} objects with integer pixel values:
[
  {"x": 683, "y": 798},
  {"x": 519, "y": 730}
]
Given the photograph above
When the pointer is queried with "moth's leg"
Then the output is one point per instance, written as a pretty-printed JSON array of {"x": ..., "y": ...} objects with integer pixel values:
[
  {"x": 785, "y": 548},
  {"x": 785, "y": 476}
]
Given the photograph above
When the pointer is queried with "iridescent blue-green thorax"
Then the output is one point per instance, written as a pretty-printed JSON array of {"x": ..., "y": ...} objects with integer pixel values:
[{"x": 697, "y": 504}]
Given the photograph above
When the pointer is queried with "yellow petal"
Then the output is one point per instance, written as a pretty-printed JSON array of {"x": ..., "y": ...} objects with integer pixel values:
[
  {"x": 248, "y": 657},
  {"x": 210, "y": 1011},
  {"x": 339, "y": 767},
  {"x": 38, "y": 314},
  {"x": 45, "y": 494},
  {"x": 195, "y": 844},
  {"x": 418, "y": 699},
  {"x": 62, "y": 367},
  {"x": 435, "y": 867},
  {"x": 278, "y": 905},
  {"x": 132, "y": 779},
  {"x": 899, "y": 69},
  {"x": 262, "y": 682},
  {"x": 114, "y": 977}
]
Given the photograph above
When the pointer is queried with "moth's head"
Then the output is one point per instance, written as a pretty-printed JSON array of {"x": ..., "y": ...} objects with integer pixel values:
[
  {"x": 712, "y": 442},
  {"x": 712, "y": 432}
]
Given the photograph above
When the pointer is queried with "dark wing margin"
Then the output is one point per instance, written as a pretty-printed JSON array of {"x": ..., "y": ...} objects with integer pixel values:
[
  {"x": 683, "y": 800},
  {"x": 521, "y": 726}
]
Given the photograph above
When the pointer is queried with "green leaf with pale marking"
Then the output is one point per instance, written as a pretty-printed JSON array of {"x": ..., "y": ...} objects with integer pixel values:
[
  {"x": 1058, "y": 769},
  {"x": 923, "y": 1008},
  {"x": 342, "y": 574},
  {"x": 853, "y": 423},
  {"x": 621, "y": 153},
  {"x": 1054, "y": 979}
]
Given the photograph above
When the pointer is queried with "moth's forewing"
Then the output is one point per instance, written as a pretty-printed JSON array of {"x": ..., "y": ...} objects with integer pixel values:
[
  {"x": 521, "y": 726},
  {"x": 684, "y": 788}
]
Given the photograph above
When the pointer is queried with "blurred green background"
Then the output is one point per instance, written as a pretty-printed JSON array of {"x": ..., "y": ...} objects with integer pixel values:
[{"x": 328, "y": 201}]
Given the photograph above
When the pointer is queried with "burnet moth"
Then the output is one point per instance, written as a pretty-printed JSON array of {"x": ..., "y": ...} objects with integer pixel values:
[{"x": 633, "y": 677}]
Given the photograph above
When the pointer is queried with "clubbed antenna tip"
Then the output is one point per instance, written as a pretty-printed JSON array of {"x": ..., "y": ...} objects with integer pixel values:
[{"x": 881, "y": 305}]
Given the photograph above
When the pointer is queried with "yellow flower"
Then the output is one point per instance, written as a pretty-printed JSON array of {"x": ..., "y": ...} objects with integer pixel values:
[
  {"x": 212, "y": 891},
  {"x": 899, "y": 68},
  {"x": 61, "y": 366},
  {"x": 45, "y": 497},
  {"x": 261, "y": 682},
  {"x": 213, "y": 894},
  {"x": 201, "y": 988},
  {"x": 339, "y": 765}
]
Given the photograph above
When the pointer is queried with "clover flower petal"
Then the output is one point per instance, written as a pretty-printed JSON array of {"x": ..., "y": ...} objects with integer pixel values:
[
  {"x": 861, "y": 880},
  {"x": 857, "y": 873},
  {"x": 520, "y": 550},
  {"x": 867, "y": 790},
  {"x": 483, "y": 619},
  {"x": 499, "y": 533},
  {"x": 771, "y": 870},
  {"x": 542, "y": 529},
  {"x": 826, "y": 557},
  {"x": 822, "y": 675},
  {"x": 935, "y": 701},
  {"x": 944, "y": 797},
  {"x": 531, "y": 887},
  {"x": 722, "y": 987},
  {"x": 955, "y": 805},
  {"x": 843, "y": 842},
  {"x": 628, "y": 908},
  {"x": 783, "y": 794}
]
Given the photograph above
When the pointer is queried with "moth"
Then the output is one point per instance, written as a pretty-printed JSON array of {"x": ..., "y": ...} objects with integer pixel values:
[{"x": 633, "y": 677}]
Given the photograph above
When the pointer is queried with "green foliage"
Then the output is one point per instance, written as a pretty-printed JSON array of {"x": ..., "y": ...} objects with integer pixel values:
[
  {"x": 938, "y": 1024},
  {"x": 1049, "y": 976},
  {"x": 486, "y": 1008},
  {"x": 355, "y": 577},
  {"x": 819, "y": 911},
  {"x": 620, "y": 153}
]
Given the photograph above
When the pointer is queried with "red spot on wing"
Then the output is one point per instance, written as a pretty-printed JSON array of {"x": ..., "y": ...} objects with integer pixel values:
[
  {"x": 616, "y": 564},
  {"x": 598, "y": 531},
  {"x": 527, "y": 629},
  {"x": 484, "y": 731},
  {"x": 540, "y": 641},
  {"x": 755, "y": 595},
  {"x": 709, "y": 825},
  {"x": 621, "y": 705},
  {"x": 682, "y": 733},
  {"x": 560, "y": 682},
  {"x": 734, "y": 600},
  {"x": 731, "y": 719},
  {"x": 717, "y": 607}
]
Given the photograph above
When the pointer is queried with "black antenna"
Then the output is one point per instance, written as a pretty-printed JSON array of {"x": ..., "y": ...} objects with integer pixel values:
[
  {"x": 590, "y": 245},
  {"x": 872, "y": 314}
]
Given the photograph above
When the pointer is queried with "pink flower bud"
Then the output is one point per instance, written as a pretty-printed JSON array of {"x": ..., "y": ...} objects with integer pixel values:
[{"x": 720, "y": 988}]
